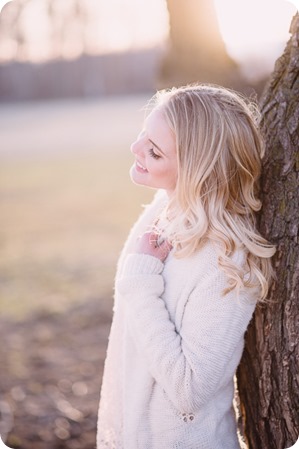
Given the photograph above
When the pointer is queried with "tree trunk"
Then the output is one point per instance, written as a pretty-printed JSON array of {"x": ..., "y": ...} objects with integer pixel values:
[
  {"x": 196, "y": 50},
  {"x": 268, "y": 376}
]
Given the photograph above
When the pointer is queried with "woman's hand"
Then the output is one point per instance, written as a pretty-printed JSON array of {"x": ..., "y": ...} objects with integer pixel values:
[{"x": 148, "y": 244}]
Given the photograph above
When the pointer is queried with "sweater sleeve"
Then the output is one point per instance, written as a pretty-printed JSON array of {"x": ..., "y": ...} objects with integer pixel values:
[{"x": 193, "y": 364}]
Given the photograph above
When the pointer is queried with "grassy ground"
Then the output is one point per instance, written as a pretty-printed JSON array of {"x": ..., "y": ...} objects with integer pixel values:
[{"x": 67, "y": 202}]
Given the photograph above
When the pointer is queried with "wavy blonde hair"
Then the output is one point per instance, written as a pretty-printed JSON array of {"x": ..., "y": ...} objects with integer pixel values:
[{"x": 219, "y": 151}]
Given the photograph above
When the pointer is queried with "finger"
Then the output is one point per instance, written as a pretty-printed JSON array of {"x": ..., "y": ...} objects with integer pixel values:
[
  {"x": 164, "y": 249},
  {"x": 153, "y": 239},
  {"x": 166, "y": 245}
]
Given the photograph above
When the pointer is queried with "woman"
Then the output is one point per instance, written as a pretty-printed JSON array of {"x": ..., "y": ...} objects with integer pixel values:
[{"x": 189, "y": 277}]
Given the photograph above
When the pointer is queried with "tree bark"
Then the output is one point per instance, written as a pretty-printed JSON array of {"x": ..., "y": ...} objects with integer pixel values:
[
  {"x": 268, "y": 376},
  {"x": 196, "y": 49}
]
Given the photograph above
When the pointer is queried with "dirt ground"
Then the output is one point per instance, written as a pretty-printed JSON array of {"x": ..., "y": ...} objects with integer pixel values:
[{"x": 51, "y": 371}]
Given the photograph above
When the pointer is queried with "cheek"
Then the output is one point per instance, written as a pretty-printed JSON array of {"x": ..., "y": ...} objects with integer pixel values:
[
  {"x": 173, "y": 171},
  {"x": 157, "y": 168},
  {"x": 164, "y": 172}
]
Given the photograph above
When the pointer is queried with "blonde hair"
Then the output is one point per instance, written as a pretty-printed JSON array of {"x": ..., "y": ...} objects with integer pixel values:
[{"x": 219, "y": 151}]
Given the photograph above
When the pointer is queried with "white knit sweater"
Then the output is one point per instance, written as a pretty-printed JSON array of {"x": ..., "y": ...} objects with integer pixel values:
[{"x": 174, "y": 346}]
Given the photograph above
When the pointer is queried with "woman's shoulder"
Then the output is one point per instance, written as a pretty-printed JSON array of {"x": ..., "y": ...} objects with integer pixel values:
[
  {"x": 212, "y": 252},
  {"x": 212, "y": 276},
  {"x": 205, "y": 262}
]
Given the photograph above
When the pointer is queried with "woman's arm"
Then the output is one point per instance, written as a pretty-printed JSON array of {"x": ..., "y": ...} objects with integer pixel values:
[{"x": 192, "y": 364}]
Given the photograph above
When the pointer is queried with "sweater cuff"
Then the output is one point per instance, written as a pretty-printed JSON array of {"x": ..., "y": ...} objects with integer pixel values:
[{"x": 137, "y": 264}]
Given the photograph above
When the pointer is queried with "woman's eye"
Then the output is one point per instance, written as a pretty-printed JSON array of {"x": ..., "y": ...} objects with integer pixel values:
[{"x": 153, "y": 154}]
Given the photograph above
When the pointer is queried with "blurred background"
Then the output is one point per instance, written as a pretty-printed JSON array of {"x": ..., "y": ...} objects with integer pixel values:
[{"x": 75, "y": 76}]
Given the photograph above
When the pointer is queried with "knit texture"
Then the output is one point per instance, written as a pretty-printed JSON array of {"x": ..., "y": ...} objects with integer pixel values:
[{"x": 174, "y": 347}]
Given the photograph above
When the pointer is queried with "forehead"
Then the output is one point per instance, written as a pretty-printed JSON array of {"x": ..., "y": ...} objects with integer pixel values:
[{"x": 159, "y": 132}]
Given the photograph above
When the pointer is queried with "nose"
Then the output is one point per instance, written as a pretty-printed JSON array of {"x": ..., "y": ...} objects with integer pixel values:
[
  {"x": 137, "y": 144},
  {"x": 134, "y": 147}
]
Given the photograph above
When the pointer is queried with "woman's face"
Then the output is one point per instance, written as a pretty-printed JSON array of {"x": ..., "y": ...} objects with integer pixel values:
[{"x": 155, "y": 155}]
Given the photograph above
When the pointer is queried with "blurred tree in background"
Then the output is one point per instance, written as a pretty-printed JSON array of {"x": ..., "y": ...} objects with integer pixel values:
[
  {"x": 66, "y": 23},
  {"x": 54, "y": 49},
  {"x": 10, "y": 25},
  {"x": 196, "y": 50},
  {"x": 63, "y": 45},
  {"x": 268, "y": 377}
]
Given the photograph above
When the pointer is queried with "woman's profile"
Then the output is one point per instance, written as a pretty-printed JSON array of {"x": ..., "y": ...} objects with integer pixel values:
[{"x": 189, "y": 277}]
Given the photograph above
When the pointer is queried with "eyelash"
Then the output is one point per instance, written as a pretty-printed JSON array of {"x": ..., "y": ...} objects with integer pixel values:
[{"x": 153, "y": 154}]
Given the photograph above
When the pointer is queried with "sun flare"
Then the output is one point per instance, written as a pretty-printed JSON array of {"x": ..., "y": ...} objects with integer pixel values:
[{"x": 248, "y": 26}]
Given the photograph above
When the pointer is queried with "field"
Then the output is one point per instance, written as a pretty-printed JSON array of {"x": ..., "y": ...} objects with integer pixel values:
[{"x": 67, "y": 204}]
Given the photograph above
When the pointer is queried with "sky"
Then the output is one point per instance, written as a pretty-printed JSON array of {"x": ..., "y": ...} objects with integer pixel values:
[{"x": 254, "y": 31}]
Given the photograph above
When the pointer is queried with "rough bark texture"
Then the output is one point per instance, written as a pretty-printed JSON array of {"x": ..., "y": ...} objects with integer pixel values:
[
  {"x": 196, "y": 49},
  {"x": 268, "y": 377}
]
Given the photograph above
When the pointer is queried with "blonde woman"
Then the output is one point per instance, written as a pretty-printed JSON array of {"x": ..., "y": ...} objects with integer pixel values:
[{"x": 189, "y": 277}]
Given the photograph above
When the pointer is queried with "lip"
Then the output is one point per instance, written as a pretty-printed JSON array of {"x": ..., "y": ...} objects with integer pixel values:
[{"x": 140, "y": 168}]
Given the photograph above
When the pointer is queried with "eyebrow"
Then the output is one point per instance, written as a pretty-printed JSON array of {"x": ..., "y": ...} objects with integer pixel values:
[{"x": 155, "y": 145}]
